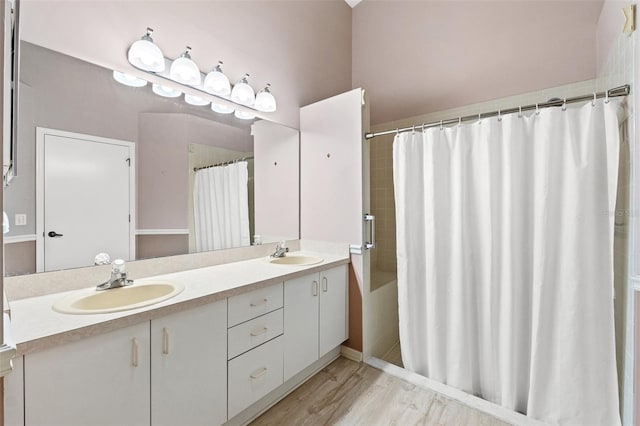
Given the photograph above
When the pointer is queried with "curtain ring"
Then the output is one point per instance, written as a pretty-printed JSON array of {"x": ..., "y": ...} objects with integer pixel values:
[
  {"x": 593, "y": 102},
  {"x": 441, "y": 126},
  {"x": 606, "y": 96},
  {"x": 564, "y": 104},
  {"x": 499, "y": 115},
  {"x": 537, "y": 110},
  {"x": 413, "y": 131},
  {"x": 459, "y": 121},
  {"x": 424, "y": 127},
  {"x": 519, "y": 112},
  {"x": 479, "y": 119}
]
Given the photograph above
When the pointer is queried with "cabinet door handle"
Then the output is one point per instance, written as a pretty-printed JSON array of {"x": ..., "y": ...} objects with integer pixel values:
[
  {"x": 134, "y": 352},
  {"x": 165, "y": 341},
  {"x": 258, "y": 373},
  {"x": 260, "y": 303},
  {"x": 315, "y": 288},
  {"x": 325, "y": 285},
  {"x": 259, "y": 332}
]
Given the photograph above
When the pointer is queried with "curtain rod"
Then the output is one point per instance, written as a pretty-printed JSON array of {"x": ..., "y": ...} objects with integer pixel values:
[
  {"x": 224, "y": 163},
  {"x": 611, "y": 93}
]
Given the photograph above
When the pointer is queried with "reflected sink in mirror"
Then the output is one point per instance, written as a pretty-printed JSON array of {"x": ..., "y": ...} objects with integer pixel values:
[
  {"x": 118, "y": 299},
  {"x": 295, "y": 260}
]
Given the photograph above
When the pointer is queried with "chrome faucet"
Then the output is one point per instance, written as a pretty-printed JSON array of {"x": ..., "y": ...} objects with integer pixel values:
[
  {"x": 281, "y": 250},
  {"x": 118, "y": 277}
]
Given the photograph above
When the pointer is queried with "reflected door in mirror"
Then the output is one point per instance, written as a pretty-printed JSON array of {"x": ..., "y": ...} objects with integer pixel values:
[{"x": 86, "y": 202}]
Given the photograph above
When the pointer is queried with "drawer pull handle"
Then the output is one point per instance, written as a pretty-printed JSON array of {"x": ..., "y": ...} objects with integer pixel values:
[
  {"x": 325, "y": 285},
  {"x": 134, "y": 352},
  {"x": 315, "y": 288},
  {"x": 260, "y": 303},
  {"x": 259, "y": 373},
  {"x": 165, "y": 341},
  {"x": 259, "y": 332}
]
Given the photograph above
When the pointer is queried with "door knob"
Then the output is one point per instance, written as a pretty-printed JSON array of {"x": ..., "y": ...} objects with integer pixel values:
[{"x": 54, "y": 234}]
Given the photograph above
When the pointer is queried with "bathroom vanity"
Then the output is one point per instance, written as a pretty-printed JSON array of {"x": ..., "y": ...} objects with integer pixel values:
[{"x": 237, "y": 339}]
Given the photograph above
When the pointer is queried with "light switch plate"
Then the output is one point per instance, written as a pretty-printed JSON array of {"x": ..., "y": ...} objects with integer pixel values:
[{"x": 21, "y": 219}]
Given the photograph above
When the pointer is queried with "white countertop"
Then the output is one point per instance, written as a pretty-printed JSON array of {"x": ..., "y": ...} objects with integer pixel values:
[{"x": 36, "y": 326}]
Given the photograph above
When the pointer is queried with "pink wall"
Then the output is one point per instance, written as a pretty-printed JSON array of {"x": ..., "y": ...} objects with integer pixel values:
[
  {"x": 303, "y": 48},
  {"x": 416, "y": 57}
]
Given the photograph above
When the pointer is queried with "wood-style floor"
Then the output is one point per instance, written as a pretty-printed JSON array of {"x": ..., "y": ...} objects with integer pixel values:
[{"x": 351, "y": 393}]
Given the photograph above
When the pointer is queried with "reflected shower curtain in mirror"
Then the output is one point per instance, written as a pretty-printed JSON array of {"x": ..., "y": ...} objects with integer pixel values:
[
  {"x": 505, "y": 260},
  {"x": 221, "y": 207}
]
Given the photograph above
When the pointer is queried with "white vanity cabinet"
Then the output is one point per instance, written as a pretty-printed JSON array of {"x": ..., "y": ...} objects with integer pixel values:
[
  {"x": 189, "y": 367},
  {"x": 315, "y": 317},
  {"x": 100, "y": 380}
]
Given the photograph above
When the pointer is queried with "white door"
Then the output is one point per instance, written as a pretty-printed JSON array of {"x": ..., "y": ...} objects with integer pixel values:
[
  {"x": 333, "y": 308},
  {"x": 301, "y": 297},
  {"x": 85, "y": 188},
  {"x": 100, "y": 380},
  {"x": 189, "y": 367}
]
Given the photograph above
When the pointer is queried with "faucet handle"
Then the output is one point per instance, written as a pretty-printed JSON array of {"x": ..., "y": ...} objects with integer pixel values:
[
  {"x": 101, "y": 259},
  {"x": 118, "y": 266}
]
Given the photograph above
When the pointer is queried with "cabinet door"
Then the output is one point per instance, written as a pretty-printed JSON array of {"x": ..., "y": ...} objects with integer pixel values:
[
  {"x": 301, "y": 297},
  {"x": 100, "y": 380},
  {"x": 189, "y": 367},
  {"x": 333, "y": 308}
]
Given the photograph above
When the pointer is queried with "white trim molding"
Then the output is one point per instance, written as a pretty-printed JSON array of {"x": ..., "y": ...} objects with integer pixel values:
[
  {"x": 19, "y": 238},
  {"x": 162, "y": 231},
  {"x": 350, "y": 353}
]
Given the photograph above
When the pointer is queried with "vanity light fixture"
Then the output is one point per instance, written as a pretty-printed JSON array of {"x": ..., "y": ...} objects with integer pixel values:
[
  {"x": 244, "y": 115},
  {"x": 195, "y": 100},
  {"x": 265, "y": 101},
  {"x": 242, "y": 93},
  {"x": 216, "y": 82},
  {"x": 167, "y": 92},
  {"x": 144, "y": 54},
  {"x": 221, "y": 109},
  {"x": 184, "y": 70},
  {"x": 128, "y": 79}
]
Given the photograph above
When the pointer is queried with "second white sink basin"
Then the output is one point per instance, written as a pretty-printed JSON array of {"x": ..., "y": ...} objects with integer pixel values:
[
  {"x": 296, "y": 259},
  {"x": 118, "y": 299}
]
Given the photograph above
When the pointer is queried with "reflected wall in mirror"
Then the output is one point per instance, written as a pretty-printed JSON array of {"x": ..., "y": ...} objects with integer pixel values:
[{"x": 202, "y": 180}]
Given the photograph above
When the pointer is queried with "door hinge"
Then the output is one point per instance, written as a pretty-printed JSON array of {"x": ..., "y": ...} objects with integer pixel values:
[
  {"x": 129, "y": 218},
  {"x": 128, "y": 160}
]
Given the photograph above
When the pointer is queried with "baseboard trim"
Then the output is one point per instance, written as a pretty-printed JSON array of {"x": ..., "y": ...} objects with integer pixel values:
[{"x": 350, "y": 353}]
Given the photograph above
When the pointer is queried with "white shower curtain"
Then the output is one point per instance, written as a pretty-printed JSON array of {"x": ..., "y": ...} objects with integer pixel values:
[
  {"x": 505, "y": 260},
  {"x": 221, "y": 207}
]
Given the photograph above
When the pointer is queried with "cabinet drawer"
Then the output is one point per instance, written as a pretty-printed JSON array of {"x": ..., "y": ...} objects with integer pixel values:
[
  {"x": 253, "y": 375},
  {"x": 255, "y": 332},
  {"x": 244, "y": 307}
]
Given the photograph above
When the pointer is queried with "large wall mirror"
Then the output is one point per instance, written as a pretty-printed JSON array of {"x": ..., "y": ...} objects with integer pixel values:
[{"x": 104, "y": 167}]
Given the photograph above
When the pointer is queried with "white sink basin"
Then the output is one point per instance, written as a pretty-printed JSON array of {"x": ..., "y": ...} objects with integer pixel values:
[
  {"x": 296, "y": 260},
  {"x": 135, "y": 296}
]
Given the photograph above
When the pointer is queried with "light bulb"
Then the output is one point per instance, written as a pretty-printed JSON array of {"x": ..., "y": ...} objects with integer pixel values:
[
  {"x": 242, "y": 93},
  {"x": 216, "y": 82},
  {"x": 128, "y": 79},
  {"x": 221, "y": 109},
  {"x": 244, "y": 115},
  {"x": 265, "y": 101},
  {"x": 167, "y": 92},
  {"x": 195, "y": 100},
  {"x": 184, "y": 70},
  {"x": 144, "y": 54}
]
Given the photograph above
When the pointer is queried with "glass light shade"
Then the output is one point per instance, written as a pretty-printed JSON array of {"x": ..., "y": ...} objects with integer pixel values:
[
  {"x": 167, "y": 92},
  {"x": 144, "y": 54},
  {"x": 265, "y": 101},
  {"x": 217, "y": 83},
  {"x": 185, "y": 71},
  {"x": 244, "y": 115},
  {"x": 195, "y": 100},
  {"x": 242, "y": 93},
  {"x": 128, "y": 80},
  {"x": 221, "y": 109}
]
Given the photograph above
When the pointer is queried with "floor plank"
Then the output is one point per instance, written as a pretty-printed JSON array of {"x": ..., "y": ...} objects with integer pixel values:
[{"x": 350, "y": 393}]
